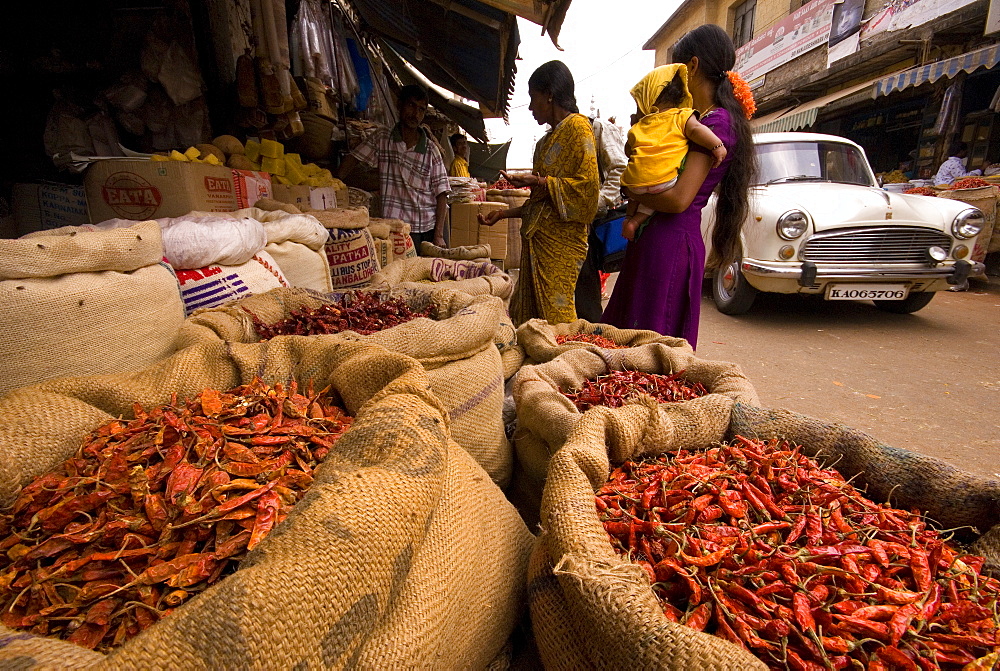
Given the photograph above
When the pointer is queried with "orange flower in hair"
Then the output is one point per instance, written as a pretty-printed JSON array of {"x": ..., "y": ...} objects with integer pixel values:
[{"x": 743, "y": 93}]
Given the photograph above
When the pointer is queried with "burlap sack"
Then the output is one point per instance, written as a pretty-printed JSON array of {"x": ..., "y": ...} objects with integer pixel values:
[
  {"x": 538, "y": 337},
  {"x": 85, "y": 303},
  {"x": 460, "y": 348},
  {"x": 461, "y": 253},
  {"x": 476, "y": 279},
  {"x": 590, "y": 607},
  {"x": 403, "y": 553},
  {"x": 399, "y": 236},
  {"x": 383, "y": 251},
  {"x": 545, "y": 418},
  {"x": 984, "y": 198}
]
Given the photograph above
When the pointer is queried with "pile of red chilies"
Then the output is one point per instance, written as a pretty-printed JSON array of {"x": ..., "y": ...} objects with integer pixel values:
[
  {"x": 922, "y": 191},
  {"x": 970, "y": 183},
  {"x": 757, "y": 544},
  {"x": 156, "y": 509},
  {"x": 591, "y": 338},
  {"x": 619, "y": 386},
  {"x": 363, "y": 313}
]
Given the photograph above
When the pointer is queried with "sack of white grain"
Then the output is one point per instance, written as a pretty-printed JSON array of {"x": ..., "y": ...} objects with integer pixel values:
[
  {"x": 459, "y": 346},
  {"x": 297, "y": 242},
  {"x": 403, "y": 552},
  {"x": 79, "y": 302}
]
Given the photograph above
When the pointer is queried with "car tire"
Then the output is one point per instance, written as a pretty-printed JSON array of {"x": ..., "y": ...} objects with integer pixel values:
[
  {"x": 908, "y": 305},
  {"x": 732, "y": 293}
]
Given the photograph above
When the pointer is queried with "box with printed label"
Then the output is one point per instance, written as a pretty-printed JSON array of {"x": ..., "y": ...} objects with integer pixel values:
[
  {"x": 42, "y": 207},
  {"x": 140, "y": 190}
]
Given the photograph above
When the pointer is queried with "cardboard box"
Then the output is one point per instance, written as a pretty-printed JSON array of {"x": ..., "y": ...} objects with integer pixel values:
[
  {"x": 139, "y": 190},
  {"x": 462, "y": 238},
  {"x": 465, "y": 228},
  {"x": 42, "y": 207},
  {"x": 496, "y": 238},
  {"x": 316, "y": 197}
]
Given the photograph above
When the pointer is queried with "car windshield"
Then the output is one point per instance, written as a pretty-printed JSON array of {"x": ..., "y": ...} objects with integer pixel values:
[{"x": 812, "y": 162}]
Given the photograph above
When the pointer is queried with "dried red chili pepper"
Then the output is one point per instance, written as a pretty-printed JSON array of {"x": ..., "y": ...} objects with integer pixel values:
[
  {"x": 800, "y": 568},
  {"x": 362, "y": 312},
  {"x": 592, "y": 338},
  {"x": 145, "y": 509},
  {"x": 617, "y": 387}
]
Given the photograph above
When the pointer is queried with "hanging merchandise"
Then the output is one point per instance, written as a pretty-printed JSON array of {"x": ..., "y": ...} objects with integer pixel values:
[
  {"x": 311, "y": 44},
  {"x": 347, "y": 84},
  {"x": 363, "y": 72},
  {"x": 947, "y": 120}
]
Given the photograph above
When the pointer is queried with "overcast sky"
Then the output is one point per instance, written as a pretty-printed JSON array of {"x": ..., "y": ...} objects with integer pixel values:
[{"x": 602, "y": 42}]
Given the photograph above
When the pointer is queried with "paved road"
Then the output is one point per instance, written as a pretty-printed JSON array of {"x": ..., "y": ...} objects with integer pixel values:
[{"x": 927, "y": 382}]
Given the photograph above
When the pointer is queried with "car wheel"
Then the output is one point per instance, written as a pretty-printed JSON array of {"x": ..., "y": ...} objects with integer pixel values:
[
  {"x": 911, "y": 303},
  {"x": 732, "y": 293}
]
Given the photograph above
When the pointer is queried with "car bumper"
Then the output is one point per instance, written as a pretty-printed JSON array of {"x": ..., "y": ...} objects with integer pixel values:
[{"x": 796, "y": 277}]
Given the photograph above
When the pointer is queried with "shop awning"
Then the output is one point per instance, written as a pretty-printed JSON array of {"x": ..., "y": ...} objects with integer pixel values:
[
  {"x": 803, "y": 115},
  {"x": 549, "y": 14},
  {"x": 469, "y": 118},
  {"x": 464, "y": 46},
  {"x": 987, "y": 57}
]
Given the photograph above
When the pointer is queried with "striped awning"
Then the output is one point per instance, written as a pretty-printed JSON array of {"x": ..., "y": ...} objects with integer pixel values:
[
  {"x": 805, "y": 114},
  {"x": 987, "y": 57}
]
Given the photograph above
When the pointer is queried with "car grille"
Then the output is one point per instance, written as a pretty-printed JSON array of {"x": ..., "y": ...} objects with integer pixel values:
[{"x": 874, "y": 245}]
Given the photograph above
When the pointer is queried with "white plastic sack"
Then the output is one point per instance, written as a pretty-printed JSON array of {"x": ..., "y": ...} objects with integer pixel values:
[
  {"x": 201, "y": 239},
  {"x": 284, "y": 227}
]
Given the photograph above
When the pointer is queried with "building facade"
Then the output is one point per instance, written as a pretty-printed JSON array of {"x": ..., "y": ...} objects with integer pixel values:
[{"x": 903, "y": 78}]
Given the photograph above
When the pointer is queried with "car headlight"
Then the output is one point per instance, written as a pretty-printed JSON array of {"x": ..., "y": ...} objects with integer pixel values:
[
  {"x": 968, "y": 224},
  {"x": 792, "y": 225}
]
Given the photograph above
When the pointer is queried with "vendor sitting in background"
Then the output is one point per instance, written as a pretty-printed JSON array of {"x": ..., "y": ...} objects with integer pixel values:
[
  {"x": 954, "y": 167},
  {"x": 460, "y": 166},
  {"x": 413, "y": 182}
]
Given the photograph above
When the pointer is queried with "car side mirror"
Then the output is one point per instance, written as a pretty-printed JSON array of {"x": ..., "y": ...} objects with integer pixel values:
[{"x": 878, "y": 179}]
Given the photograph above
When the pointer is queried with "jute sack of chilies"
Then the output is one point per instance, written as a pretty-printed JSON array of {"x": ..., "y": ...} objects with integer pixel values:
[
  {"x": 588, "y": 603},
  {"x": 590, "y": 607},
  {"x": 459, "y": 348},
  {"x": 538, "y": 338},
  {"x": 472, "y": 277},
  {"x": 545, "y": 417},
  {"x": 402, "y": 553},
  {"x": 85, "y": 302}
]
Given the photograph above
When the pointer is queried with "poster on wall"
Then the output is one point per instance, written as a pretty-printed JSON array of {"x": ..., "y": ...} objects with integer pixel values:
[
  {"x": 902, "y": 14},
  {"x": 803, "y": 30},
  {"x": 845, "y": 29}
]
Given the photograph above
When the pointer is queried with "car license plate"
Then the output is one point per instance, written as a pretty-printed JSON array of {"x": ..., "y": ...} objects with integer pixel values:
[{"x": 871, "y": 292}]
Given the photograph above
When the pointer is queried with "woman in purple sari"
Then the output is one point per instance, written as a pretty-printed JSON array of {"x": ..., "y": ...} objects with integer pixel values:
[{"x": 659, "y": 287}]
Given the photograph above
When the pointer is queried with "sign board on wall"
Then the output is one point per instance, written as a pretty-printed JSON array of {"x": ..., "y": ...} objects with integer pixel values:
[
  {"x": 803, "y": 30},
  {"x": 902, "y": 14},
  {"x": 993, "y": 18},
  {"x": 845, "y": 30}
]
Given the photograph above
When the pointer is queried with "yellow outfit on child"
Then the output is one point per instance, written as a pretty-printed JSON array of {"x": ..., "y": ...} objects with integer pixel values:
[{"x": 657, "y": 144}]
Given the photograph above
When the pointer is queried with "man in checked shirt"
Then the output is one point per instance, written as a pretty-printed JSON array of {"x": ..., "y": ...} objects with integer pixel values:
[{"x": 413, "y": 181}]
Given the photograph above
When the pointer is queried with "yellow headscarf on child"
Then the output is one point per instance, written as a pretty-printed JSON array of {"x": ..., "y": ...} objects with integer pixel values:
[{"x": 649, "y": 87}]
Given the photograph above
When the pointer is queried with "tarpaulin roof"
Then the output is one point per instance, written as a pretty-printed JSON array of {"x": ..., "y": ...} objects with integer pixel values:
[
  {"x": 464, "y": 46},
  {"x": 469, "y": 118},
  {"x": 549, "y": 14}
]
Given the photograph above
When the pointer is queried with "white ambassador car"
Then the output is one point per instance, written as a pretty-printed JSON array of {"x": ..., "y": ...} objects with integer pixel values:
[{"x": 820, "y": 224}]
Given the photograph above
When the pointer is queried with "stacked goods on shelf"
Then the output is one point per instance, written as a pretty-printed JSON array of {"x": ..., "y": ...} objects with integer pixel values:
[
  {"x": 513, "y": 198},
  {"x": 466, "y": 231},
  {"x": 455, "y": 336},
  {"x": 346, "y": 578},
  {"x": 79, "y": 302}
]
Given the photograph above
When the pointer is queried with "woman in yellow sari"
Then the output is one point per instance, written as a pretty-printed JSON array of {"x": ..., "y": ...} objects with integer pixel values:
[{"x": 565, "y": 187}]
